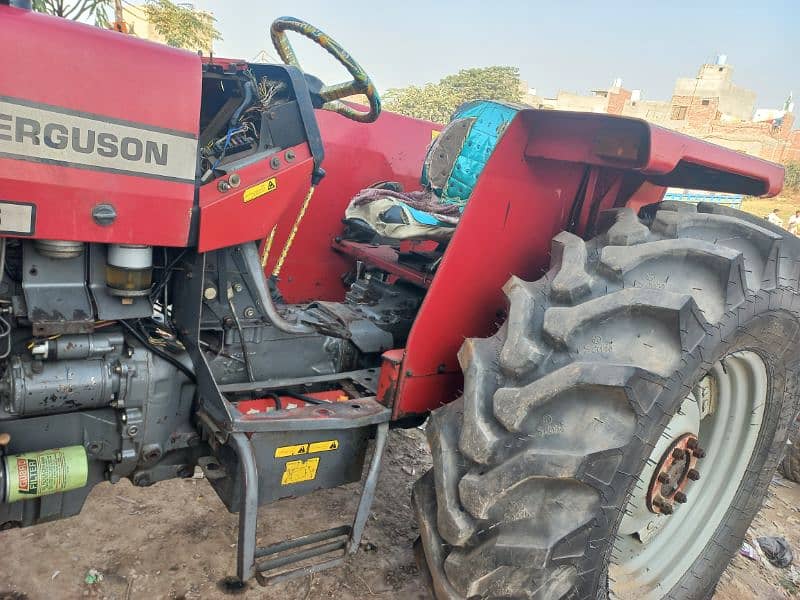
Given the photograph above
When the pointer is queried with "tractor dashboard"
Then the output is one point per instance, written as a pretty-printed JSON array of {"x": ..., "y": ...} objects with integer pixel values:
[{"x": 250, "y": 112}]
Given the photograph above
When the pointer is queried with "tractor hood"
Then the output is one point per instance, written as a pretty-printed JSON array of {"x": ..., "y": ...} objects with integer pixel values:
[{"x": 94, "y": 120}]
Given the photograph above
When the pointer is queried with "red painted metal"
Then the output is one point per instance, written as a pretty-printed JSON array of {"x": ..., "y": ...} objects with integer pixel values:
[
  {"x": 356, "y": 156},
  {"x": 385, "y": 258},
  {"x": 391, "y": 362},
  {"x": 547, "y": 163},
  {"x": 157, "y": 213},
  {"x": 516, "y": 208},
  {"x": 226, "y": 219},
  {"x": 664, "y": 157},
  {"x": 260, "y": 406},
  {"x": 104, "y": 74}
]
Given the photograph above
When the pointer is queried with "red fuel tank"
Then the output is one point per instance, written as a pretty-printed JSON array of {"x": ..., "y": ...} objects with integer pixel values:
[{"x": 98, "y": 133}]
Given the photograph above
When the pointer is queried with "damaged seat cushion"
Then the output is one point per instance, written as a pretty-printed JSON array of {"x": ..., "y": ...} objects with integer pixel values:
[{"x": 452, "y": 166}]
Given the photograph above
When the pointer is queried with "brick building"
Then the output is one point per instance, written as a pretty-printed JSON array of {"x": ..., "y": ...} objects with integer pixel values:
[{"x": 709, "y": 106}]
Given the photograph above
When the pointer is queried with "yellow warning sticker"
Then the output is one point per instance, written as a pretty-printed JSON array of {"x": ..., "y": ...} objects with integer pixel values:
[
  {"x": 434, "y": 134},
  {"x": 258, "y": 190},
  {"x": 284, "y": 451},
  {"x": 323, "y": 446},
  {"x": 326, "y": 446},
  {"x": 297, "y": 471}
]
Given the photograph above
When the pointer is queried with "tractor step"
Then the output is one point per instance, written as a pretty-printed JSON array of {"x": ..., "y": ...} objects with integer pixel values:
[
  {"x": 307, "y": 547},
  {"x": 278, "y": 562}
]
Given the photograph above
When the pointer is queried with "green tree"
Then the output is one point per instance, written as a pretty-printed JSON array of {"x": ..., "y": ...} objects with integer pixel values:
[
  {"x": 80, "y": 10},
  {"x": 437, "y": 101},
  {"x": 182, "y": 27}
]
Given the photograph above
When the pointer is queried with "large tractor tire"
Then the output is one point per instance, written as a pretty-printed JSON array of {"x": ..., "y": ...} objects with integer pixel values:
[
  {"x": 616, "y": 437},
  {"x": 790, "y": 467}
]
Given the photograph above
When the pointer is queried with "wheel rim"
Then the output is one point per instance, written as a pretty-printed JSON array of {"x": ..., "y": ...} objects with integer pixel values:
[{"x": 724, "y": 412}]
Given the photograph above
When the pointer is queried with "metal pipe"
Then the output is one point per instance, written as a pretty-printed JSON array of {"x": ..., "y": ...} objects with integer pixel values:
[
  {"x": 253, "y": 264},
  {"x": 368, "y": 493},
  {"x": 248, "y": 511}
]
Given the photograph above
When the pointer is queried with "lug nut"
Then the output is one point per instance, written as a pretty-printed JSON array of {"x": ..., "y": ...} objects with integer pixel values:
[
  {"x": 663, "y": 505},
  {"x": 699, "y": 452},
  {"x": 680, "y": 498},
  {"x": 693, "y": 474},
  {"x": 663, "y": 478},
  {"x": 691, "y": 444},
  {"x": 678, "y": 453}
]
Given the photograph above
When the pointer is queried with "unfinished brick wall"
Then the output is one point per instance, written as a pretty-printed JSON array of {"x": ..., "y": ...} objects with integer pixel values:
[
  {"x": 698, "y": 113},
  {"x": 617, "y": 100},
  {"x": 792, "y": 151}
]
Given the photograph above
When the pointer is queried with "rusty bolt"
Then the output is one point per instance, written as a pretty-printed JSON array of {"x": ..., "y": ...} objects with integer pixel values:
[
  {"x": 699, "y": 452},
  {"x": 663, "y": 478},
  {"x": 666, "y": 508},
  {"x": 691, "y": 444},
  {"x": 678, "y": 453},
  {"x": 680, "y": 498},
  {"x": 693, "y": 474}
]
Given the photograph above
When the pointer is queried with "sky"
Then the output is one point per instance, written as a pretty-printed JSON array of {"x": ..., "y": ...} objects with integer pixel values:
[{"x": 571, "y": 45}]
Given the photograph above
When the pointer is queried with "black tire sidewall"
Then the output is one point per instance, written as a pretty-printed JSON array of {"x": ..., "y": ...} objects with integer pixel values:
[{"x": 766, "y": 335}]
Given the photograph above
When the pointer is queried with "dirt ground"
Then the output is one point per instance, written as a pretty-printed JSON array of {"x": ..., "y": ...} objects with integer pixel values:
[
  {"x": 175, "y": 540},
  {"x": 786, "y": 204}
]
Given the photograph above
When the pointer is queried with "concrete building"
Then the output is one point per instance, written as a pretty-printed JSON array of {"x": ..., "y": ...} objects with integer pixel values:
[
  {"x": 714, "y": 86},
  {"x": 610, "y": 100},
  {"x": 709, "y": 106}
]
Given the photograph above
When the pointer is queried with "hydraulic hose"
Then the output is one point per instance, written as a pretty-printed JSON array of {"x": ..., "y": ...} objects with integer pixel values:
[
  {"x": 253, "y": 264},
  {"x": 246, "y": 101}
]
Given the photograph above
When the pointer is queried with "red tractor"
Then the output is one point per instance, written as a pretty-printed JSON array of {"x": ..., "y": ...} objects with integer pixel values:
[{"x": 608, "y": 379}]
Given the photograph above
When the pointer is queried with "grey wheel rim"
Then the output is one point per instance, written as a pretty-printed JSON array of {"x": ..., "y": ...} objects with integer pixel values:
[{"x": 653, "y": 551}]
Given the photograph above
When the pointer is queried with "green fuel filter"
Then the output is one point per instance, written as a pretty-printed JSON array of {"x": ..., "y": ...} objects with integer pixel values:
[{"x": 35, "y": 474}]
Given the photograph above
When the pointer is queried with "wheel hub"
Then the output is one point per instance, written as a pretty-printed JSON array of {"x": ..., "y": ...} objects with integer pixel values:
[
  {"x": 658, "y": 540},
  {"x": 678, "y": 466}
]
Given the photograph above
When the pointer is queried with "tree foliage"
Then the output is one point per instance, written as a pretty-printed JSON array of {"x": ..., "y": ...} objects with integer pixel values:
[
  {"x": 78, "y": 10},
  {"x": 180, "y": 26},
  {"x": 437, "y": 101}
]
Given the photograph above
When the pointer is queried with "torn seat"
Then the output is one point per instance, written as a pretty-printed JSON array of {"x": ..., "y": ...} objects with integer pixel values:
[{"x": 455, "y": 159}]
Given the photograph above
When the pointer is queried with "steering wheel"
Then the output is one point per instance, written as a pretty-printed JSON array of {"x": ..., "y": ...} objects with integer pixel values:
[{"x": 330, "y": 94}]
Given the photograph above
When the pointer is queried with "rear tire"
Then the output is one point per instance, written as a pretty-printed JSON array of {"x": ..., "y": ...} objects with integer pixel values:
[
  {"x": 790, "y": 466},
  {"x": 536, "y": 465}
]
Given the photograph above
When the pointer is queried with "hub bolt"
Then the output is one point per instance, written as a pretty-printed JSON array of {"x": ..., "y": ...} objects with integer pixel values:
[
  {"x": 693, "y": 474},
  {"x": 691, "y": 444},
  {"x": 663, "y": 505},
  {"x": 663, "y": 478},
  {"x": 699, "y": 452},
  {"x": 678, "y": 453},
  {"x": 680, "y": 498}
]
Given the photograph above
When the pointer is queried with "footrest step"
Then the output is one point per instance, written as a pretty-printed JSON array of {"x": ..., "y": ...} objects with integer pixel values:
[{"x": 306, "y": 547}]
